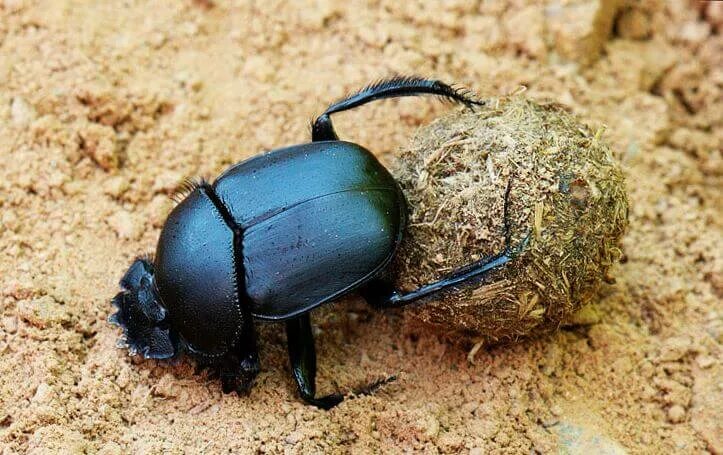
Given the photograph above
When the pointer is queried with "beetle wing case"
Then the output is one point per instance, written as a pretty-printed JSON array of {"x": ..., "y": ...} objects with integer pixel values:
[
  {"x": 318, "y": 220},
  {"x": 140, "y": 315}
]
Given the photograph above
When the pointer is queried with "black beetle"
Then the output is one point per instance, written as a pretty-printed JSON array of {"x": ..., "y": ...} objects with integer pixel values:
[{"x": 272, "y": 238}]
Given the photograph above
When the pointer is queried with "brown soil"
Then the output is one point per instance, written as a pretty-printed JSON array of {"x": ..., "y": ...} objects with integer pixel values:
[{"x": 105, "y": 107}]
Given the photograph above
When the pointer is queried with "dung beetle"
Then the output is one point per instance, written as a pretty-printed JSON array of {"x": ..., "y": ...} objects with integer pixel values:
[{"x": 272, "y": 238}]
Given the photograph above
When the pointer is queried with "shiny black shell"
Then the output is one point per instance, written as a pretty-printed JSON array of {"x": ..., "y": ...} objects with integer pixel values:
[
  {"x": 196, "y": 278},
  {"x": 296, "y": 227}
]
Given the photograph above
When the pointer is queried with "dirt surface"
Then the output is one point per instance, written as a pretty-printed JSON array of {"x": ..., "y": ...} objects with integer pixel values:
[{"x": 106, "y": 107}]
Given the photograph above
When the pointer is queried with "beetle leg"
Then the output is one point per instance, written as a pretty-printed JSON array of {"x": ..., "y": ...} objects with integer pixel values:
[
  {"x": 323, "y": 130},
  {"x": 382, "y": 294},
  {"x": 239, "y": 368},
  {"x": 395, "y": 87},
  {"x": 238, "y": 373},
  {"x": 302, "y": 355}
]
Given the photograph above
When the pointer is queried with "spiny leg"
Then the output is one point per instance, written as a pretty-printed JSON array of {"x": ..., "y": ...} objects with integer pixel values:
[
  {"x": 395, "y": 87},
  {"x": 238, "y": 368},
  {"x": 382, "y": 294},
  {"x": 302, "y": 355}
]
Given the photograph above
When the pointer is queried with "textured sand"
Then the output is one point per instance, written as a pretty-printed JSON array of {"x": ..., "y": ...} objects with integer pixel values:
[{"x": 105, "y": 107}]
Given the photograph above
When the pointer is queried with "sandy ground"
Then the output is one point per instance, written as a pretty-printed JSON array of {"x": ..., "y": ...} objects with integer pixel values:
[{"x": 105, "y": 107}]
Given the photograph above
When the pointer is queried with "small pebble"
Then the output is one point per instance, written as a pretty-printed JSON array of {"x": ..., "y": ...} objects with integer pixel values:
[
  {"x": 705, "y": 361},
  {"x": 676, "y": 414},
  {"x": 100, "y": 145},
  {"x": 10, "y": 324},
  {"x": 42, "y": 312},
  {"x": 124, "y": 225},
  {"x": 167, "y": 182},
  {"x": 22, "y": 112},
  {"x": 110, "y": 448},
  {"x": 166, "y": 387},
  {"x": 294, "y": 437},
  {"x": 115, "y": 186},
  {"x": 43, "y": 394},
  {"x": 674, "y": 349},
  {"x": 157, "y": 40}
]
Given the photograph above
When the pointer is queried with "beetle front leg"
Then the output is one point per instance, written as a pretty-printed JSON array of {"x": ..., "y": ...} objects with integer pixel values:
[
  {"x": 238, "y": 368},
  {"x": 238, "y": 374}
]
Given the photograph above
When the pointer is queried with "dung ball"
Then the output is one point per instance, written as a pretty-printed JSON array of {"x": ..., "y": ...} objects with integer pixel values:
[{"x": 566, "y": 209}]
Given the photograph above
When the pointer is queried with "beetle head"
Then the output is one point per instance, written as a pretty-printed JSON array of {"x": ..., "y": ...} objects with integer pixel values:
[{"x": 141, "y": 315}]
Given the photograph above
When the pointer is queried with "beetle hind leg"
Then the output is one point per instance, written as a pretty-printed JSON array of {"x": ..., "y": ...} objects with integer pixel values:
[
  {"x": 394, "y": 87},
  {"x": 381, "y": 293},
  {"x": 323, "y": 130}
]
